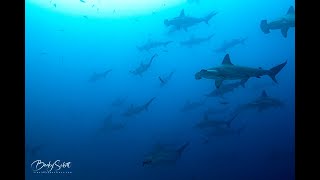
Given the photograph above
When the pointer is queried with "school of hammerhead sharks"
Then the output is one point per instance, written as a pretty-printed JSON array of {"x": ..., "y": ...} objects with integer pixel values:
[{"x": 226, "y": 71}]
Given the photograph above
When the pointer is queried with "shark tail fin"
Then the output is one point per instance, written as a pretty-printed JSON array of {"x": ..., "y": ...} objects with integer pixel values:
[
  {"x": 152, "y": 58},
  {"x": 264, "y": 26},
  {"x": 183, "y": 147},
  {"x": 107, "y": 72},
  {"x": 207, "y": 18},
  {"x": 231, "y": 119},
  {"x": 275, "y": 70},
  {"x": 148, "y": 103}
]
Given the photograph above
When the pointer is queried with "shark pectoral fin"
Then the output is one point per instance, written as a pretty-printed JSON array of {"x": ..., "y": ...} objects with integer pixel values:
[
  {"x": 218, "y": 83},
  {"x": 284, "y": 31},
  {"x": 243, "y": 82}
]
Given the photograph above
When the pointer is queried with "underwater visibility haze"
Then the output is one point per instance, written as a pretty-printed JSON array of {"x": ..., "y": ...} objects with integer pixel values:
[{"x": 161, "y": 89}]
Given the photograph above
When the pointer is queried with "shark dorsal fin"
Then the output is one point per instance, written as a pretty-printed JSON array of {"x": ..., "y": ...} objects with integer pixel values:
[
  {"x": 290, "y": 10},
  {"x": 264, "y": 94},
  {"x": 182, "y": 13},
  {"x": 226, "y": 60}
]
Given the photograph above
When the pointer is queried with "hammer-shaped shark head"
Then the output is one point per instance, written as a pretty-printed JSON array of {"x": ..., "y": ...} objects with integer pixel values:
[
  {"x": 206, "y": 73},
  {"x": 199, "y": 74}
]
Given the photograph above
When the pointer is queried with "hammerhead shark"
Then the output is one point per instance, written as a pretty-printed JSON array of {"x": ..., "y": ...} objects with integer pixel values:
[
  {"x": 229, "y": 71},
  {"x": 206, "y": 123},
  {"x": 192, "y": 105},
  {"x": 133, "y": 110},
  {"x": 226, "y": 45},
  {"x": 98, "y": 76},
  {"x": 153, "y": 44},
  {"x": 183, "y": 21},
  {"x": 225, "y": 88},
  {"x": 164, "y": 80},
  {"x": 283, "y": 23},
  {"x": 222, "y": 131},
  {"x": 143, "y": 67},
  {"x": 262, "y": 103},
  {"x": 109, "y": 125},
  {"x": 195, "y": 40},
  {"x": 164, "y": 155}
]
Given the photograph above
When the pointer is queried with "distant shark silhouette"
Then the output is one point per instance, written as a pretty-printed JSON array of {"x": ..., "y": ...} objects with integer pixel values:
[
  {"x": 143, "y": 67},
  {"x": 195, "y": 40},
  {"x": 230, "y": 44},
  {"x": 133, "y": 110},
  {"x": 164, "y": 155},
  {"x": 184, "y": 22}
]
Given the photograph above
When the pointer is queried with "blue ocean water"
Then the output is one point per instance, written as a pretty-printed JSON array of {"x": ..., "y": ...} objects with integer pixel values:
[{"x": 67, "y": 115}]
